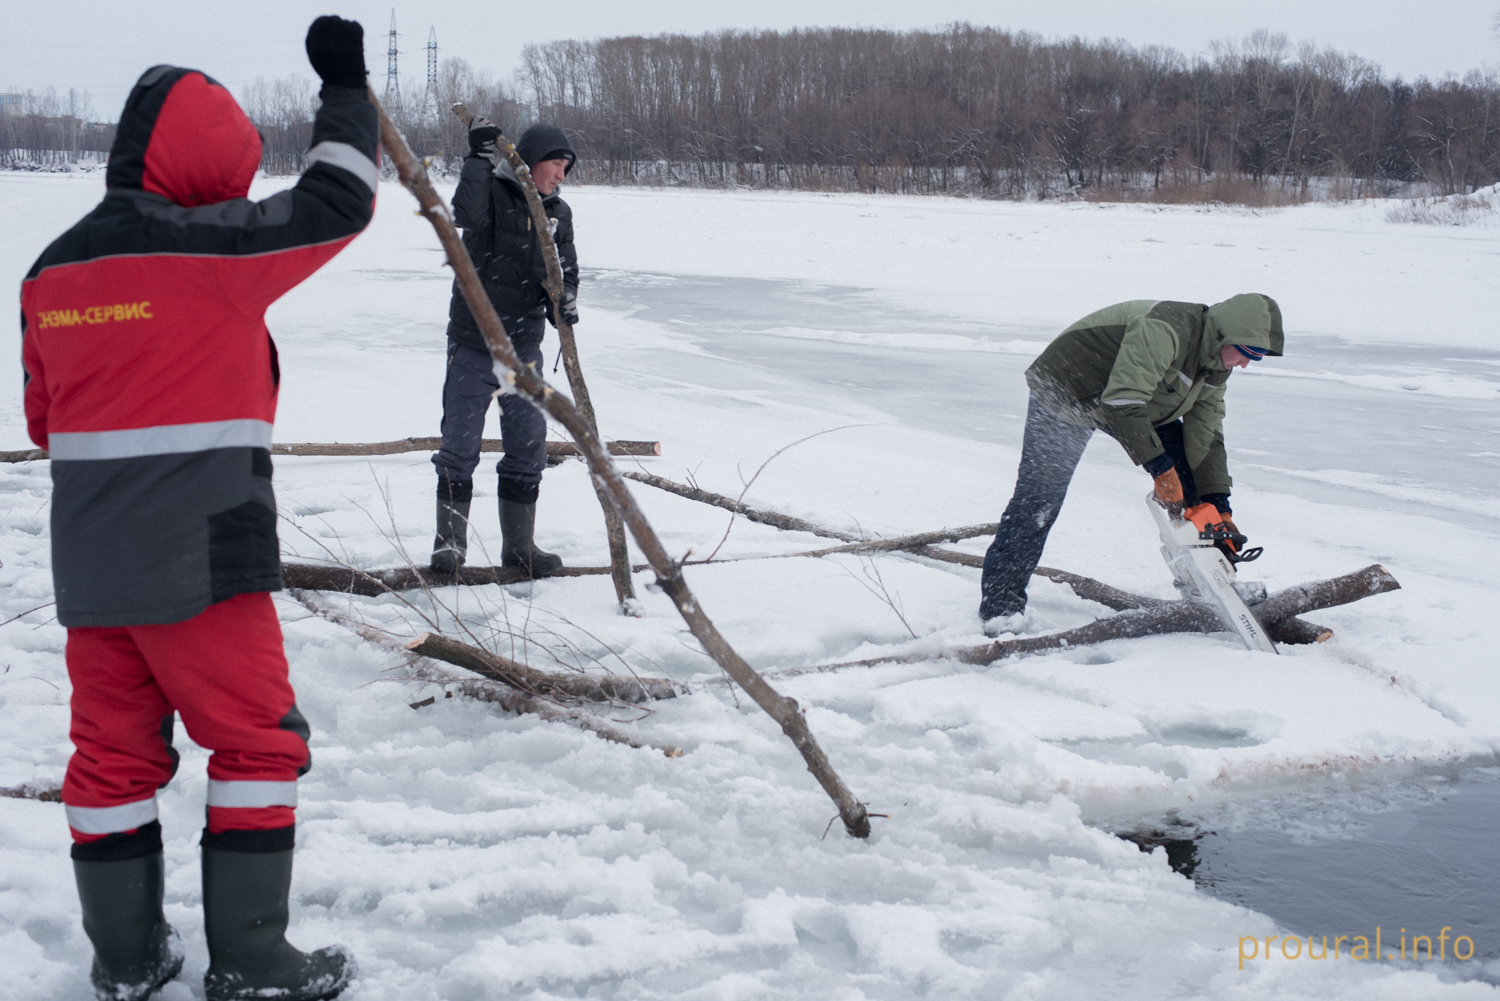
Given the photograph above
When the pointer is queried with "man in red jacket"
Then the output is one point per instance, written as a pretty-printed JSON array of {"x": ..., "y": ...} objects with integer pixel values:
[{"x": 151, "y": 379}]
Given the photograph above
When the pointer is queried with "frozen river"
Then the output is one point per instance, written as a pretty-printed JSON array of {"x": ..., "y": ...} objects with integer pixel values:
[{"x": 1400, "y": 427}]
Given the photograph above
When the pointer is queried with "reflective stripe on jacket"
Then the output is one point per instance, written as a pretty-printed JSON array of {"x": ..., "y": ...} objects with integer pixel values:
[{"x": 150, "y": 374}]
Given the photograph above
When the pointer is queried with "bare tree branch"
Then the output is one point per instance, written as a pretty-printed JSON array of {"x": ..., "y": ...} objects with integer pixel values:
[{"x": 489, "y": 690}]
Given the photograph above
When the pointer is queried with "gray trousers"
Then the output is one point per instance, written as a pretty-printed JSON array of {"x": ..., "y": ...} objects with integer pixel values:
[
  {"x": 1050, "y": 452},
  {"x": 467, "y": 392}
]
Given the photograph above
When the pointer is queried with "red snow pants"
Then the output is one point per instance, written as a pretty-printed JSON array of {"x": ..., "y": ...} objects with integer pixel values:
[{"x": 225, "y": 673}]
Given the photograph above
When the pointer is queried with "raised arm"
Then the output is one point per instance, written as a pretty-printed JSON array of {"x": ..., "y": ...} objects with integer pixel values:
[{"x": 471, "y": 200}]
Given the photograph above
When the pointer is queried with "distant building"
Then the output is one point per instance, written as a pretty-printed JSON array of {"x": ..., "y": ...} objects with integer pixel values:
[{"x": 10, "y": 104}]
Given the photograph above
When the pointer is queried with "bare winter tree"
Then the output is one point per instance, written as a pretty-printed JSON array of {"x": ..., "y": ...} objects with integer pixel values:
[
  {"x": 966, "y": 109},
  {"x": 975, "y": 110}
]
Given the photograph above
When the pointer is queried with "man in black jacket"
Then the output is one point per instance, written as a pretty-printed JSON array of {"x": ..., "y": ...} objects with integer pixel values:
[{"x": 490, "y": 206}]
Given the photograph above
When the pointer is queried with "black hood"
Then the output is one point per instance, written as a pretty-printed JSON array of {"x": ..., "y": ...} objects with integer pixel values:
[{"x": 545, "y": 142}]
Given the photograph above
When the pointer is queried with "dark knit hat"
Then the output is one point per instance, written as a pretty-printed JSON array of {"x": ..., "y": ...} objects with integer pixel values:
[{"x": 545, "y": 142}]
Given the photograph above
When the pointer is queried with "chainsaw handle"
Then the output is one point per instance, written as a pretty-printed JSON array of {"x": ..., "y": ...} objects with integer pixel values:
[{"x": 1222, "y": 535}]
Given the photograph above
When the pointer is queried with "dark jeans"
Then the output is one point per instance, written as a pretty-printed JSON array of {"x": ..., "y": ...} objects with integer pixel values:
[
  {"x": 1050, "y": 451},
  {"x": 466, "y": 400}
]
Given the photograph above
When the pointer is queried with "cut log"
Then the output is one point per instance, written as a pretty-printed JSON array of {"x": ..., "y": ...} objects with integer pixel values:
[
  {"x": 593, "y": 688},
  {"x": 1298, "y": 632}
]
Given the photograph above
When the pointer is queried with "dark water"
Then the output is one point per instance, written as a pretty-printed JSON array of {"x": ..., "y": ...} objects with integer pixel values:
[{"x": 1419, "y": 867}]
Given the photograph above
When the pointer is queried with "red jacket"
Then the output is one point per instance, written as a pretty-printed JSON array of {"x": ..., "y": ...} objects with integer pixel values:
[{"x": 150, "y": 375}]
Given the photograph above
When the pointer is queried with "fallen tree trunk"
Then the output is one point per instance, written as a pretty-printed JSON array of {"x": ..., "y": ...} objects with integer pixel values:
[
  {"x": 373, "y": 583},
  {"x": 592, "y": 688},
  {"x": 1287, "y": 630},
  {"x": 533, "y": 388},
  {"x": 1182, "y": 616},
  {"x": 557, "y": 448},
  {"x": 1158, "y": 619}
]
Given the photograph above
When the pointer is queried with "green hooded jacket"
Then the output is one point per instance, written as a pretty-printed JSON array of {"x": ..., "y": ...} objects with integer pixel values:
[{"x": 1134, "y": 366}]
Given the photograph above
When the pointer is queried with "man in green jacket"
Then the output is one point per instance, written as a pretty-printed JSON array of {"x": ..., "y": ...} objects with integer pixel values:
[{"x": 1150, "y": 374}]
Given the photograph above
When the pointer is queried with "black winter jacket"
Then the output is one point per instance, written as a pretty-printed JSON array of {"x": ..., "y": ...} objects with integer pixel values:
[
  {"x": 490, "y": 207},
  {"x": 150, "y": 375}
]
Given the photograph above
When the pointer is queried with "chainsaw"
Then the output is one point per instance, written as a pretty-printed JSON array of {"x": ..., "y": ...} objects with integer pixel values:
[{"x": 1202, "y": 553}]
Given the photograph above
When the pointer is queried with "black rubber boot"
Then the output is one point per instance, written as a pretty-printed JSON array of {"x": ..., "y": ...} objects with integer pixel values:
[
  {"x": 244, "y": 919},
  {"x": 517, "y": 525},
  {"x": 451, "y": 547},
  {"x": 135, "y": 950}
]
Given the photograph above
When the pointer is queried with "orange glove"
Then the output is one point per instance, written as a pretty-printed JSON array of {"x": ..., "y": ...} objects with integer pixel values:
[
  {"x": 1169, "y": 491},
  {"x": 1227, "y": 524},
  {"x": 1205, "y": 516},
  {"x": 1208, "y": 519}
]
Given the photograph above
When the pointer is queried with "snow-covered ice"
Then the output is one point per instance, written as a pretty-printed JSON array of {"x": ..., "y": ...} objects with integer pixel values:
[{"x": 463, "y": 853}]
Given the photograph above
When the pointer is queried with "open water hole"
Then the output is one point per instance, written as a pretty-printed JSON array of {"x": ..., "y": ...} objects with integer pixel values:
[{"x": 1412, "y": 869}]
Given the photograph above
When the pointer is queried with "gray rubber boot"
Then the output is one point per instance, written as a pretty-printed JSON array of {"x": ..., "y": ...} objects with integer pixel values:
[
  {"x": 451, "y": 546},
  {"x": 135, "y": 950},
  {"x": 244, "y": 919},
  {"x": 517, "y": 525}
]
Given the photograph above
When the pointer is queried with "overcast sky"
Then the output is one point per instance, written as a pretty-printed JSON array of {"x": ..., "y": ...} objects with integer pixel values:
[{"x": 104, "y": 46}]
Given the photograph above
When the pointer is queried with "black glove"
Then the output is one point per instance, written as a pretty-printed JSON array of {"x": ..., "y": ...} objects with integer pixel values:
[
  {"x": 336, "y": 49},
  {"x": 482, "y": 135},
  {"x": 570, "y": 306}
]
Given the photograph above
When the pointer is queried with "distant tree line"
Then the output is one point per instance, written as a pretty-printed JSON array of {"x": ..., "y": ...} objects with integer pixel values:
[
  {"x": 964, "y": 110},
  {"x": 44, "y": 128},
  {"x": 982, "y": 111}
]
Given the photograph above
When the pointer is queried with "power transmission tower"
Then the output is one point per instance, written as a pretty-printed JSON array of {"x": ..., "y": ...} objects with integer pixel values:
[
  {"x": 431, "y": 107},
  {"x": 392, "y": 79}
]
